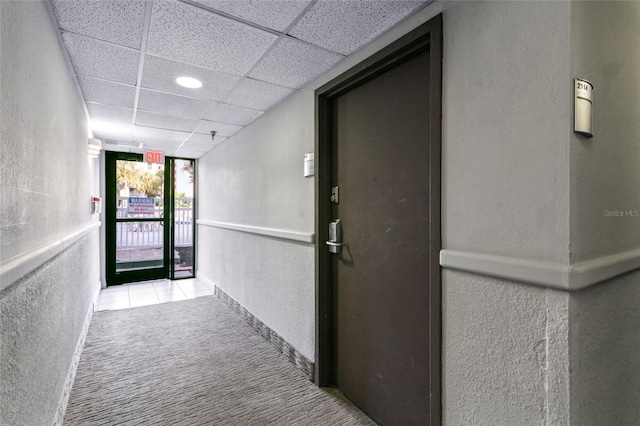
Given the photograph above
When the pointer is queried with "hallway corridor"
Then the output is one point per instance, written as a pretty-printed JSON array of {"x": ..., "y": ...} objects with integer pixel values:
[
  {"x": 248, "y": 128},
  {"x": 192, "y": 362}
]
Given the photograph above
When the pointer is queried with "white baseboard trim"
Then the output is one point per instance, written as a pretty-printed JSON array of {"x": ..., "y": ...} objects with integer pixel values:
[
  {"x": 547, "y": 274},
  {"x": 71, "y": 373},
  {"x": 285, "y": 234},
  {"x": 11, "y": 270},
  {"x": 206, "y": 281}
]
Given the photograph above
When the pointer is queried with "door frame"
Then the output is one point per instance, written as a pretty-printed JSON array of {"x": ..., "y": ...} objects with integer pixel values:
[
  {"x": 168, "y": 268},
  {"x": 428, "y": 35},
  {"x": 170, "y": 163},
  {"x": 112, "y": 277}
]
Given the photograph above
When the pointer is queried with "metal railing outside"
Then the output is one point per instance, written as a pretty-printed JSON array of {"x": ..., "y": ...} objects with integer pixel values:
[{"x": 151, "y": 234}]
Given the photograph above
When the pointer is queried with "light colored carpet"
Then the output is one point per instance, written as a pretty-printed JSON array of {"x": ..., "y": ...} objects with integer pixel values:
[{"x": 193, "y": 362}]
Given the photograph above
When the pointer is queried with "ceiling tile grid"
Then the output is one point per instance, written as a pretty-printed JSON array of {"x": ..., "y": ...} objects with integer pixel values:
[
  {"x": 257, "y": 94},
  {"x": 345, "y": 26},
  {"x": 160, "y": 137},
  {"x": 160, "y": 74},
  {"x": 238, "y": 49},
  {"x": 233, "y": 114},
  {"x": 188, "y": 34},
  {"x": 206, "y": 139},
  {"x": 197, "y": 147},
  {"x": 102, "y": 60},
  {"x": 107, "y": 92},
  {"x": 274, "y": 14},
  {"x": 109, "y": 113},
  {"x": 221, "y": 129},
  {"x": 293, "y": 64},
  {"x": 120, "y": 22},
  {"x": 182, "y": 153},
  {"x": 180, "y": 106},
  {"x": 161, "y": 121}
]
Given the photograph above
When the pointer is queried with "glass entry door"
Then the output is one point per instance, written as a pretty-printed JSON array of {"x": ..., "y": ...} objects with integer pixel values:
[
  {"x": 182, "y": 190},
  {"x": 150, "y": 218},
  {"x": 137, "y": 225}
]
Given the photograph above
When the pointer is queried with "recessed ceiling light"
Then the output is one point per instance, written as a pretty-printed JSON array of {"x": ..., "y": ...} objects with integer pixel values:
[{"x": 189, "y": 82}]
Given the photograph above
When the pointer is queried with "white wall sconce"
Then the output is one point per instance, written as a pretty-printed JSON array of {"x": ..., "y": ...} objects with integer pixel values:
[{"x": 94, "y": 146}]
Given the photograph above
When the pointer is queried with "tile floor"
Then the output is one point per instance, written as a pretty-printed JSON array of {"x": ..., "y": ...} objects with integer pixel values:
[{"x": 151, "y": 293}]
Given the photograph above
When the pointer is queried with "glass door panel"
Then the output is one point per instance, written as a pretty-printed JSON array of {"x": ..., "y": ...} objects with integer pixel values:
[
  {"x": 136, "y": 219},
  {"x": 183, "y": 232}
]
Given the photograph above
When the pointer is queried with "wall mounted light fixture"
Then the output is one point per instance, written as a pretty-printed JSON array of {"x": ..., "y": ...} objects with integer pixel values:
[{"x": 95, "y": 146}]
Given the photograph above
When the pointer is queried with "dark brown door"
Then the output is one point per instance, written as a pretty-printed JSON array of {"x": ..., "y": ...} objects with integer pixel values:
[
  {"x": 378, "y": 301},
  {"x": 380, "y": 282}
]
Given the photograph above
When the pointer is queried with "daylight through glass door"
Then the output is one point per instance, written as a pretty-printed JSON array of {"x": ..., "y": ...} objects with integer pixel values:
[
  {"x": 140, "y": 243},
  {"x": 183, "y": 218}
]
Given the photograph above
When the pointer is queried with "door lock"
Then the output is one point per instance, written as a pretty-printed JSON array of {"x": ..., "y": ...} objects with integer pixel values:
[
  {"x": 335, "y": 194},
  {"x": 335, "y": 237}
]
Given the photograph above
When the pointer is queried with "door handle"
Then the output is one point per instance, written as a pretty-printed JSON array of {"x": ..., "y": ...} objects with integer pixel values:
[
  {"x": 334, "y": 244},
  {"x": 335, "y": 236}
]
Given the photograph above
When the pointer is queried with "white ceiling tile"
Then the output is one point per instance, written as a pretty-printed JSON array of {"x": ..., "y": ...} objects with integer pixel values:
[
  {"x": 95, "y": 58},
  {"x": 110, "y": 113},
  {"x": 159, "y": 137},
  {"x": 346, "y": 25},
  {"x": 198, "y": 147},
  {"x": 120, "y": 21},
  {"x": 232, "y": 114},
  {"x": 206, "y": 139},
  {"x": 107, "y": 92},
  {"x": 161, "y": 74},
  {"x": 185, "y": 33},
  {"x": 292, "y": 64},
  {"x": 275, "y": 14},
  {"x": 221, "y": 129},
  {"x": 257, "y": 94},
  {"x": 180, "y": 106},
  {"x": 181, "y": 153},
  {"x": 113, "y": 138},
  {"x": 161, "y": 121},
  {"x": 158, "y": 145}
]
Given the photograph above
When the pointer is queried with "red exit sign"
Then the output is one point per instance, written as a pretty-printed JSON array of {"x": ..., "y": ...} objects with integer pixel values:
[{"x": 154, "y": 157}]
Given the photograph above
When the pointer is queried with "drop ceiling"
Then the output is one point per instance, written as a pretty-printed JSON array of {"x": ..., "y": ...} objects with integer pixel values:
[{"x": 249, "y": 55}]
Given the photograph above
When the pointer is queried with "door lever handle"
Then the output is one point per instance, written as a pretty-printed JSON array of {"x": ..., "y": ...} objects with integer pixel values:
[
  {"x": 334, "y": 244},
  {"x": 335, "y": 247}
]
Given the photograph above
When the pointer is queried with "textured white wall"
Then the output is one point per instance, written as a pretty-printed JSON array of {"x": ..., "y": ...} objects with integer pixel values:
[
  {"x": 505, "y": 352},
  {"x": 45, "y": 174},
  {"x": 506, "y": 192},
  {"x": 605, "y": 41},
  {"x": 605, "y": 348},
  {"x": 41, "y": 318},
  {"x": 256, "y": 179},
  {"x": 605, "y": 337},
  {"x": 46, "y": 180},
  {"x": 270, "y": 276},
  {"x": 505, "y": 121}
]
